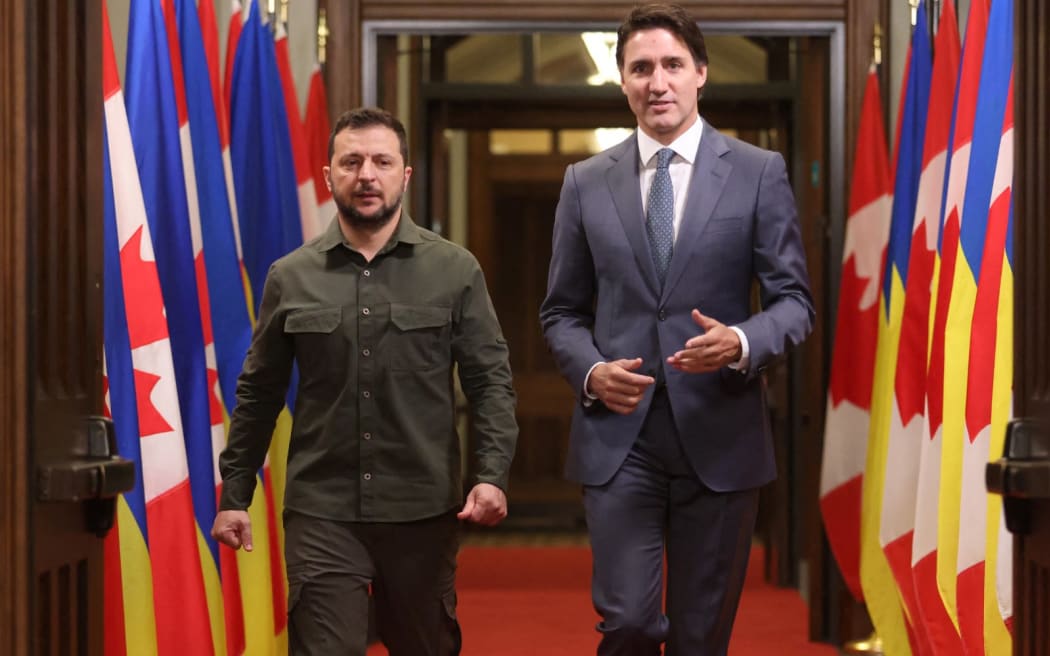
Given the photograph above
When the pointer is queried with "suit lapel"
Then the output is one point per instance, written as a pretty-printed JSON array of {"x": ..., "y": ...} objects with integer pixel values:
[
  {"x": 710, "y": 173},
  {"x": 622, "y": 178}
]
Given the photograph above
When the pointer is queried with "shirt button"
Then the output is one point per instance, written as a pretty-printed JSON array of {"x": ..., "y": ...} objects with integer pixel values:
[
  {"x": 366, "y": 394},
  {"x": 366, "y": 273},
  {"x": 366, "y": 311},
  {"x": 368, "y": 477},
  {"x": 366, "y": 352},
  {"x": 367, "y": 436},
  {"x": 662, "y": 315}
]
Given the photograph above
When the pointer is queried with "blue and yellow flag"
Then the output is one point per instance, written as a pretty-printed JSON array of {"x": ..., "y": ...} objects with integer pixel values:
[{"x": 881, "y": 594}]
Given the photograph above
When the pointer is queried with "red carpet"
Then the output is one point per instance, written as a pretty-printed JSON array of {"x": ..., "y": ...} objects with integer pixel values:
[{"x": 535, "y": 601}]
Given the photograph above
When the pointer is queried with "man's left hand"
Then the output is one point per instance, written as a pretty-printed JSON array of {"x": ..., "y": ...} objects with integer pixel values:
[
  {"x": 486, "y": 505},
  {"x": 711, "y": 350}
]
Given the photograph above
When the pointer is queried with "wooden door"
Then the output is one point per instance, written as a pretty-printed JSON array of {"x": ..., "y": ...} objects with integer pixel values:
[
  {"x": 517, "y": 196},
  {"x": 51, "y": 318},
  {"x": 1031, "y": 516},
  {"x": 1032, "y": 585},
  {"x": 65, "y": 300},
  {"x": 14, "y": 512}
]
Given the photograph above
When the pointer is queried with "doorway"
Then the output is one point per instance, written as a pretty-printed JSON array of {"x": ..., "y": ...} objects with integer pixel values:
[{"x": 495, "y": 113}]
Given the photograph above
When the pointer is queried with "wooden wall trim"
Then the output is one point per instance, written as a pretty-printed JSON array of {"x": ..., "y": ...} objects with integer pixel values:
[
  {"x": 1031, "y": 208},
  {"x": 864, "y": 15},
  {"x": 1031, "y": 87},
  {"x": 343, "y": 56},
  {"x": 595, "y": 10},
  {"x": 14, "y": 522},
  {"x": 343, "y": 52}
]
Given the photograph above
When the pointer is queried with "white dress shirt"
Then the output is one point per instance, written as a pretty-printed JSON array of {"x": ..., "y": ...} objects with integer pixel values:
[{"x": 681, "y": 167}]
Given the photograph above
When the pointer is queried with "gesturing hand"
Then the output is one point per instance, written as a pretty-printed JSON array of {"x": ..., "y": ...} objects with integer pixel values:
[
  {"x": 711, "y": 350},
  {"x": 615, "y": 385}
]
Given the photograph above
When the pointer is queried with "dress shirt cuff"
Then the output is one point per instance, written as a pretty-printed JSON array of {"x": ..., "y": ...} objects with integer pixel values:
[
  {"x": 237, "y": 493},
  {"x": 588, "y": 399},
  {"x": 744, "y": 362},
  {"x": 494, "y": 471}
]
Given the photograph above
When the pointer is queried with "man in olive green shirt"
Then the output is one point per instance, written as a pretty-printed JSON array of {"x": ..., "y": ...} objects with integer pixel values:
[{"x": 375, "y": 312}]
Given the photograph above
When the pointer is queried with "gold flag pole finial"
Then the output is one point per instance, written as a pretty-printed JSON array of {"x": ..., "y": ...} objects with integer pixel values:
[
  {"x": 876, "y": 45},
  {"x": 914, "y": 12},
  {"x": 322, "y": 34},
  {"x": 872, "y": 646},
  {"x": 284, "y": 11}
]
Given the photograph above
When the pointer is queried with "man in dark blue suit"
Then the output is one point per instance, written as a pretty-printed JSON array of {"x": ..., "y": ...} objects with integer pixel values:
[{"x": 657, "y": 242}]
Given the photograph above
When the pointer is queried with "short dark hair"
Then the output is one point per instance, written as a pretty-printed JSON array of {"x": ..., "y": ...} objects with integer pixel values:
[
  {"x": 672, "y": 18},
  {"x": 366, "y": 117}
]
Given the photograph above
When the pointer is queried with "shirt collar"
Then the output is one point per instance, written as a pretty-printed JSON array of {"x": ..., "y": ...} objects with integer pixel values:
[
  {"x": 685, "y": 146},
  {"x": 407, "y": 231}
]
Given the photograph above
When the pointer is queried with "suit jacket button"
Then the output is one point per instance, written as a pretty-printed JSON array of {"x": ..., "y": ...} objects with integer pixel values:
[{"x": 662, "y": 316}]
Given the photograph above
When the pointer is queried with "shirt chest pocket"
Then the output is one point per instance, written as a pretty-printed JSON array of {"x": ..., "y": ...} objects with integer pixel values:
[
  {"x": 320, "y": 343},
  {"x": 420, "y": 336}
]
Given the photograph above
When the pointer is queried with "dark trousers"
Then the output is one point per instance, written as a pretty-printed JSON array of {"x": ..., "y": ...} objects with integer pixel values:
[
  {"x": 656, "y": 502},
  {"x": 409, "y": 568}
]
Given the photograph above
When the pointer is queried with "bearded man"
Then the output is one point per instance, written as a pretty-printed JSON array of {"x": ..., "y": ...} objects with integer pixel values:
[{"x": 375, "y": 313}]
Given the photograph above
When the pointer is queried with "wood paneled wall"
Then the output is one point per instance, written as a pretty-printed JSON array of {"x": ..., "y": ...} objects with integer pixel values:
[
  {"x": 50, "y": 313},
  {"x": 14, "y": 523},
  {"x": 1031, "y": 206},
  {"x": 598, "y": 10},
  {"x": 1031, "y": 602},
  {"x": 343, "y": 55},
  {"x": 861, "y": 18}
]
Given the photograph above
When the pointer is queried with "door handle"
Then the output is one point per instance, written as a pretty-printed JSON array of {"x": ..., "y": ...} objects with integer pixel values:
[
  {"x": 93, "y": 473},
  {"x": 1022, "y": 475}
]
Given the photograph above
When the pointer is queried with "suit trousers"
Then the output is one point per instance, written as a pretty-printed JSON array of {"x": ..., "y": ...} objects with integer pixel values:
[
  {"x": 409, "y": 568},
  {"x": 656, "y": 502}
]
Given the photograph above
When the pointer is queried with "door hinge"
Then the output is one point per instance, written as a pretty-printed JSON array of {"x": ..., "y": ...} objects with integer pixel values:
[
  {"x": 94, "y": 473},
  {"x": 1022, "y": 475}
]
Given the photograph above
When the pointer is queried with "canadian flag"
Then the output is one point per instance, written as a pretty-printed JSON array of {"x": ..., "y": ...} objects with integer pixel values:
[
  {"x": 856, "y": 333},
  {"x": 318, "y": 128}
]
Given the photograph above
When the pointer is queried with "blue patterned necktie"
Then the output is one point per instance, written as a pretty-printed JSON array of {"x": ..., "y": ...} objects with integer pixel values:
[{"x": 659, "y": 222}]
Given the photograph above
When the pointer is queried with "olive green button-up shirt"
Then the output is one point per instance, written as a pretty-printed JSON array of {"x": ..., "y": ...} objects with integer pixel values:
[{"x": 373, "y": 431}]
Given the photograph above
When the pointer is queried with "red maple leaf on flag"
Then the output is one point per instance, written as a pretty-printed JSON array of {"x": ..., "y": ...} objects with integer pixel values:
[
  {"x": 151, "y": 422},
  {"x": 145, "y": 304},
  {"x": 214, "y": 405}
]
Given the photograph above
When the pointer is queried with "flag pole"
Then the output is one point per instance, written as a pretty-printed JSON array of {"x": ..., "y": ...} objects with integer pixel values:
[
  {"x": 872, "y": 645},
  {"x": 876, "y": 45},
  {"x": 322, "y": 35}
]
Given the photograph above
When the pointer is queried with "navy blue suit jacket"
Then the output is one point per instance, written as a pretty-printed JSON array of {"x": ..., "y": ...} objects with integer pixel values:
[{"x": 604, "y": 302}]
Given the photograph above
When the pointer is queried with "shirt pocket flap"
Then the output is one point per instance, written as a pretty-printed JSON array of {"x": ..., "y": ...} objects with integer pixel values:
[
  {"x": 414, "y": 317},
  {"x": 313, "y": 320}
]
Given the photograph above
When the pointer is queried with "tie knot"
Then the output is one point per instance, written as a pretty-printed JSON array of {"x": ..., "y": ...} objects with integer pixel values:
[{"x": 663, "y": 158}]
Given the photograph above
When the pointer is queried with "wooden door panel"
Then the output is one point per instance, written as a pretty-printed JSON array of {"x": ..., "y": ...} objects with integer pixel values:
[
  {"x": 64, "y": 277},
  {"x": 1032, "y": 310},
  {"x": 1032, "y": 583},
  {"x": 14, "y": 320},
  {"x": 522, "y": 224}
]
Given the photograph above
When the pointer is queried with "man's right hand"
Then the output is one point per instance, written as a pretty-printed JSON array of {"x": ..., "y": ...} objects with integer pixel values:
[
  {"x": 233, "y": 528},
  {"x": 617, "y": 387}
]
